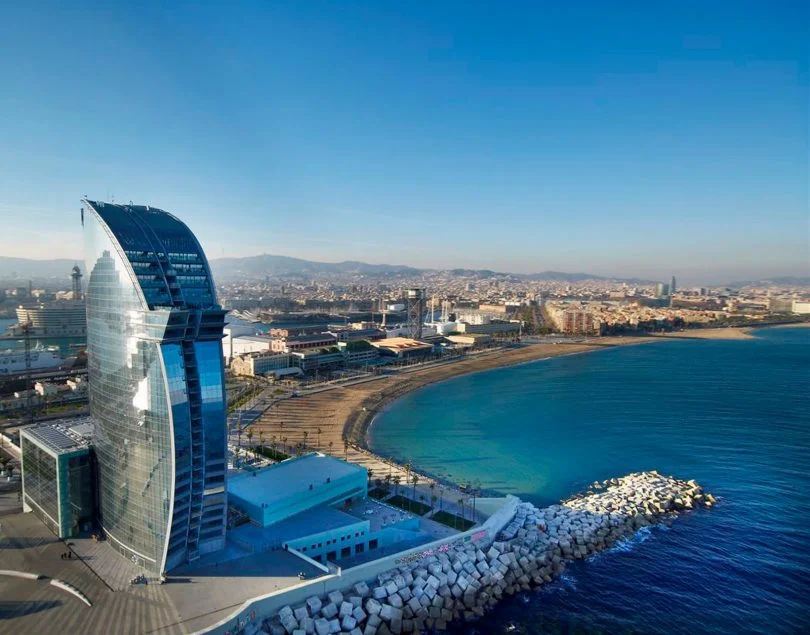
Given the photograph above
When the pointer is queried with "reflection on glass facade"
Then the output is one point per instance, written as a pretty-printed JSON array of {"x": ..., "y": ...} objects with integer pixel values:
[
  {"x": 58, "y": 480},
  {"x": 154, "y": 334},
  {"x": 41, "y": 485}
]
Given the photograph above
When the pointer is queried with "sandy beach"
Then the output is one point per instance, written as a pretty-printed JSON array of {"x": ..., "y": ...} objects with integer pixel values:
[
  {"x": 336, "y": 420},
  {"x": 728, "y": 333}
]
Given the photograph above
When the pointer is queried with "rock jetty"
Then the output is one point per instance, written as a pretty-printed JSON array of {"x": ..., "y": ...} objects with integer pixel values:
[{"x": 465, "y": 581}]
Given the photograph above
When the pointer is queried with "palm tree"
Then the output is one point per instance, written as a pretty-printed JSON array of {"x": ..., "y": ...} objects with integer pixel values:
[
  {"x": 407, "y": 467},
  {"x": 476, "y": 491},
  {"x": 306, "y": 434},
  {"x": 261, "y": 440},
  {"x": 273, "y": 445},
  {"x": 433, "y": 500},
  {"x": 397, "y": 480},
  {"x": 346, "y": 449},
  {"x": 414, "y": 481},
  {"x": 319, "y": 437},
  {"x": 370, "y": 474},
  {"x": 284, "y": 443},
  {"x": 461, "y": 504},
  {"x": 331, "y": 446},
  {"x": 441, "y": 497},
  {"x": 249, "y": 435},
  {"x": 388, "y": 479}
]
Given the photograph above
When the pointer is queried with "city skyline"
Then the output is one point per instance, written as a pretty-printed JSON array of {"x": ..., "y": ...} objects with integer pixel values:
[{"x": 626, "y": 143}]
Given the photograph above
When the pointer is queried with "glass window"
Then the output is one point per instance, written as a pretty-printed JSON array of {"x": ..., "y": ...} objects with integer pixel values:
[{"x": 143, "y": 390}]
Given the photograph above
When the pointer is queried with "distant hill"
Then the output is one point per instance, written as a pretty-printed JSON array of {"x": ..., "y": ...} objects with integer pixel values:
[
  {"x": 26, "y": 268},
  {"x": 788, "y": 281},
  {"x": 253, "y": 267},
  {"x": 559, "y": 276},
  {"x": 564, "y": 277},
  {"x": 269, "y": 265}
]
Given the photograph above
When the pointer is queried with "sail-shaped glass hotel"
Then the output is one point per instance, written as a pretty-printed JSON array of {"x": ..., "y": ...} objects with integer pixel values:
[{"x": 156, "y": 381}]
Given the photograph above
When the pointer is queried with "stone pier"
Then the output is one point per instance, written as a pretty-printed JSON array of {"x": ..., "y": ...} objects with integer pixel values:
[{"x": 464, "y": 582}]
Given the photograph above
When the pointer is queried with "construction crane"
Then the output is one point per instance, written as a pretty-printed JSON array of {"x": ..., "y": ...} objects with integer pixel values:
[{"x": 29, "y": 407}]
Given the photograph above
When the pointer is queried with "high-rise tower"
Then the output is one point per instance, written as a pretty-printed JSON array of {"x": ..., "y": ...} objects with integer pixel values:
[{"x": 156, "y": 382}]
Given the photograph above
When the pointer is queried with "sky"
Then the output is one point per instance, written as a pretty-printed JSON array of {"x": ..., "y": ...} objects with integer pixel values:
[{"x": 626, "y": 139}]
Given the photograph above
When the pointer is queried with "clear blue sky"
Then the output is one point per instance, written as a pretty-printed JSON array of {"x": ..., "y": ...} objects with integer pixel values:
[{"x": 637, "y": 139}]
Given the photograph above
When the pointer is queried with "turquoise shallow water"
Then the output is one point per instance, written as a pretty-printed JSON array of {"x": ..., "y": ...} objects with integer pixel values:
[{"x": 735, "y": 415}]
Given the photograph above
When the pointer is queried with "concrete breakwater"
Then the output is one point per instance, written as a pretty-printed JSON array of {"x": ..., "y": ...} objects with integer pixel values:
[{"x": 464, "y": 581}]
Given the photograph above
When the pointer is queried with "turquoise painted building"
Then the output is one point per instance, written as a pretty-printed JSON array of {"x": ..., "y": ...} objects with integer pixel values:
[
  {"x": 278, "y": 492},
  {"x": 319, "y": 506}
]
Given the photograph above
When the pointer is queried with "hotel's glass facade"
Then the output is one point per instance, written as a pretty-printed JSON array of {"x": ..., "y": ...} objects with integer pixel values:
[
  {"x": 157, "y": 395},
  {"x": 57, "y": 484}
]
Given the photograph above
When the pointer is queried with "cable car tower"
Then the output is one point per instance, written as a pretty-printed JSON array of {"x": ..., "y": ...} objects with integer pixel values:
[{"x": 415, "y": 299}]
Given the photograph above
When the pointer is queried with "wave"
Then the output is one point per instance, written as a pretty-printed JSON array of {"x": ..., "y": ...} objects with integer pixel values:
[{"x": 566, "y": 582}]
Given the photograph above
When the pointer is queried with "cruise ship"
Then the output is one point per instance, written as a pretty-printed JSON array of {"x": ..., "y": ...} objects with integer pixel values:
[
  {"x": 66, "y": 318},
  {"x": 12, "y": 361},
  {"x": 57, "y": 319}
]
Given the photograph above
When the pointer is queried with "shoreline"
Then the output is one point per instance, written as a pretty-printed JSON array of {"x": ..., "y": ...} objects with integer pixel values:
[
  {"x": 338, "y": 420},
  {"x": 357, "y": 426},
  {"x": 389, "y": 403},
  {"x": 359, "y": 422}
]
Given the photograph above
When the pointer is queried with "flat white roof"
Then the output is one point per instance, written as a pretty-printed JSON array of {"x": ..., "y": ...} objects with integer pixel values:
[{"x": 290, "y": 478}]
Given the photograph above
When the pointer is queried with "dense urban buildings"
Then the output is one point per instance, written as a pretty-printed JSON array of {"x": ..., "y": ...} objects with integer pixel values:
[{"x": 154, "y": 332}]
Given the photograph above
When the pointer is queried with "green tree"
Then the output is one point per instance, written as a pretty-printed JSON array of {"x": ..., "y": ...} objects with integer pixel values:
[{"x": 397, "y": 480}]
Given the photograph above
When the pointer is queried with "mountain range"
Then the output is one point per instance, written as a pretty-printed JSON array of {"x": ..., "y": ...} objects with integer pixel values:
[
  {"x": 256, "y": 267},
  {"x": 25, "y": 268}
]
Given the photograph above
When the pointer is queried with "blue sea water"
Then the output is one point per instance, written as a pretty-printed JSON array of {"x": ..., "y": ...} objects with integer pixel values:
[{"x": 735, "y": 415}]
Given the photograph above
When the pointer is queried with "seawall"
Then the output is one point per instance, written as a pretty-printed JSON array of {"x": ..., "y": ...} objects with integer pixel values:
[{"x": 524, "y": 547}]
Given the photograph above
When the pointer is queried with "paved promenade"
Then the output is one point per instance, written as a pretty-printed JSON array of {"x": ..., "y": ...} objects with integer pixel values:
[{"x": 192, "y": 599}]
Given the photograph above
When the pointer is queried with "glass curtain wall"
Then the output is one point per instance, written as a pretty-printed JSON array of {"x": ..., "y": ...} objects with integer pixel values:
[{"x": 153, "y": 329}]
